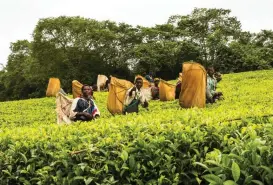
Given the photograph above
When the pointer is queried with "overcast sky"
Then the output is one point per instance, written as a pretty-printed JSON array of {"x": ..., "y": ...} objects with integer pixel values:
[{"x": 19, "y": 17}]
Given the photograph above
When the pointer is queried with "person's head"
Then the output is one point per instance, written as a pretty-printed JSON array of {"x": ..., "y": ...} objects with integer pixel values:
[
  {"x": 156, "y": 81},
  {"x": 86, "y": 90},
  {"x": 217, "y": 74},
  {"x": 138, "y": 83},
  {"x": 210, "y": 71}
]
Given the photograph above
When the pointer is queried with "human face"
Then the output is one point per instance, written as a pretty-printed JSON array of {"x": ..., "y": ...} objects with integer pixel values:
[
  {"x": 139, "y": 84},
  {"x": 86, "y": 91},
  {"x": 210, "y": 71}
]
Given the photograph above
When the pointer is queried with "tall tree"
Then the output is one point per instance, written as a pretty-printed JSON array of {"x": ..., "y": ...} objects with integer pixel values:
[
  {"x": 209, "y": 28},
  {"x": 19, "y": 79},
  {"x": 79, "y": 48}
]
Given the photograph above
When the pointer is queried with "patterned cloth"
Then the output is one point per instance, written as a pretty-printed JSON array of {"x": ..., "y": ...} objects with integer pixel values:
[
  {"x": 83, "y": 105},
  {"x": 211, "y": 86},
  {"x": 63, "y": 107},
  {"x": 155, "y": 93}
]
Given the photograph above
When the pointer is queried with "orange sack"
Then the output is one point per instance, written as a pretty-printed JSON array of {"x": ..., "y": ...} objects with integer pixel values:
[
  {"x": 193, "y": 88},
  {"x": 116, "y": 95},
  {"x": 54, "y": 86}
]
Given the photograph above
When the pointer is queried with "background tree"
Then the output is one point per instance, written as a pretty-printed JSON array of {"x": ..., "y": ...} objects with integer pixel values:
[{"x": 79, "y": 48}]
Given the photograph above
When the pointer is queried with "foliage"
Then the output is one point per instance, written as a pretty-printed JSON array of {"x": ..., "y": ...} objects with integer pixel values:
[
  {"x": 77, "y": 48},
  {"x": 229, "y": 142}
]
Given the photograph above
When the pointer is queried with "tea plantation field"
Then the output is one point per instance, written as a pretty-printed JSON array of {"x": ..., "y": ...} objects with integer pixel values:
[{"x": 229, "y": 142}]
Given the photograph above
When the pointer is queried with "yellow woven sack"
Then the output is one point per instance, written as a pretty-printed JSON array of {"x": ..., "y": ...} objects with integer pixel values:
[
  {"x": 76, "y": 88},
  {"x": 193, "y": 88},
  {"x": 166, "y": 91},
  {"x": 180, "y": 77},
  {"x": 54, "y": 86},
  {"x": 116, "y": 95}
]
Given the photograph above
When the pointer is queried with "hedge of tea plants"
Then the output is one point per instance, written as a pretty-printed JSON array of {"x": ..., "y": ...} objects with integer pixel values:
[{"x": 229, "y": 142}]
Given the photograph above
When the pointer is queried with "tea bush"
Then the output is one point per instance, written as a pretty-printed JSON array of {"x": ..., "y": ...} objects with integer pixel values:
[{"x": 229, "y": 142}]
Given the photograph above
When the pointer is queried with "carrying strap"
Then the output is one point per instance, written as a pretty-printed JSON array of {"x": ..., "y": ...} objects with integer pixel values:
[{"x": 116, "y": 94}]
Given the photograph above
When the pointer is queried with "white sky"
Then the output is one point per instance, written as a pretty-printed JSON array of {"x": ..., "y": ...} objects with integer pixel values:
[{"x": 19, "y": 17}]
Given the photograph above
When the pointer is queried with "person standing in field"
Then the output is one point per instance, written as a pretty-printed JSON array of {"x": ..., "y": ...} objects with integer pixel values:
[
  {"x": 155, "y": 89},
  {"x": 84, "y": 108},
  {"x": 218, "y": 76},
  {"x": 178, "y": 86},
  {"x": 178, "y": 89},
  {"x": 211, "y": 93},
  {"x": 107, "y": 84},
  {"x": 134, "y": 97}
]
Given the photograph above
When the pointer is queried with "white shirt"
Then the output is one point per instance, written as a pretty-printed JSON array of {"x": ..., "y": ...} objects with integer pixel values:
[{"x": 137, "y": 94}]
